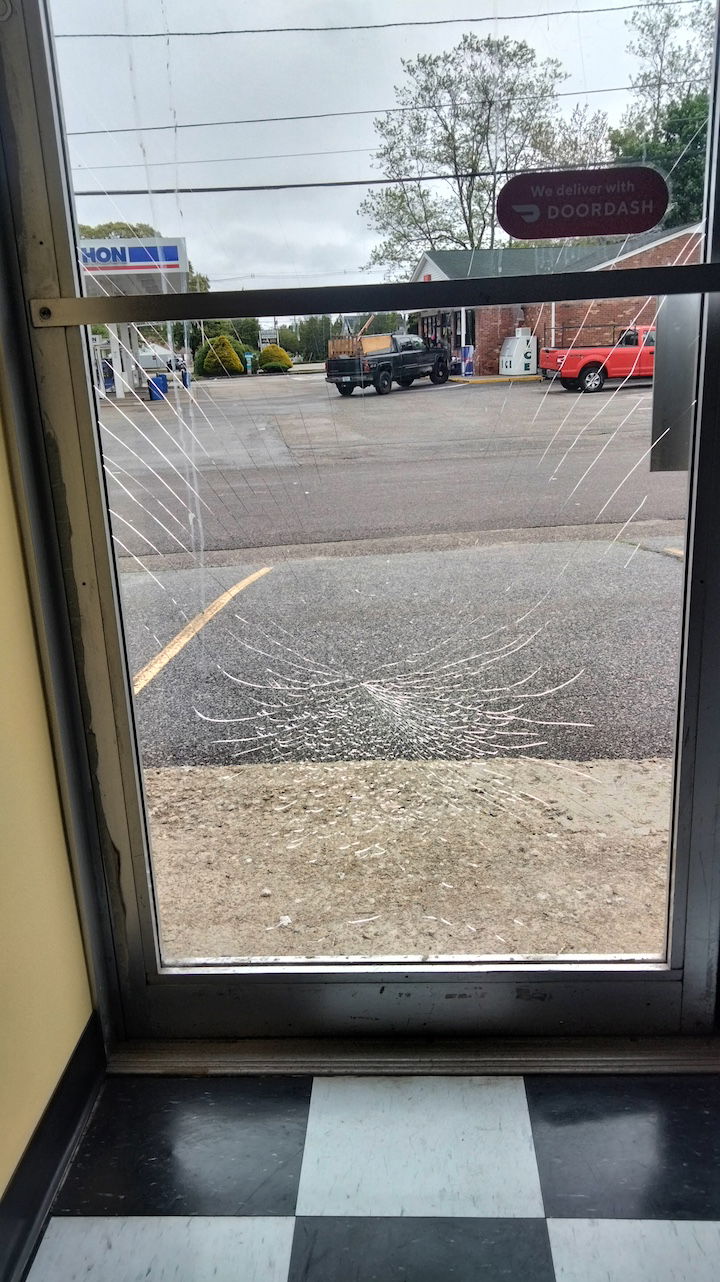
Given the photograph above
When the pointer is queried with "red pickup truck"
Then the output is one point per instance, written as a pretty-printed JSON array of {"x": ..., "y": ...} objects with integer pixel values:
[{"x": 585, "y": 369}]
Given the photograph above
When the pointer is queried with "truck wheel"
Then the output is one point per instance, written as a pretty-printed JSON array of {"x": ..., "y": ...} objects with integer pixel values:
[
  {"x": 570, "y": 384},
  {"x": 441, "y": 371},
  {"x": 383, "y": 382},
  {"x": 592, "y": 379},
  {"x": 406, "y": 382},
  {"x": 344, "y": 390}
]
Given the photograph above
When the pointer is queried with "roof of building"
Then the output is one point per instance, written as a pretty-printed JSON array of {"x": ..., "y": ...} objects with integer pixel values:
[{"x": 510, "y": 260}]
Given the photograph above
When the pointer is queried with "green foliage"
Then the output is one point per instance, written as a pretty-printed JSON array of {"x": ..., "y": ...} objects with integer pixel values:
[
  {"x": 121, "y": 230},
  {"x": 198, "y": 283},
  {"x": 199, "y": 362},
  {"x": 494, "y": 111},
  {"x": 275, "y": 356},
  {"x": 384, "y": 323},
  {"x": 275, "y": 367},
  {"x": 202, "y": 352},
  {"x": 673, "y": 50},
  {"x": 246, "y": 329},
  {"x": 314, "y": 334},
  {"x": 677, "y": 148},
  {"x": 221, "y": 358},
  {"x": 288, "y": 339}
]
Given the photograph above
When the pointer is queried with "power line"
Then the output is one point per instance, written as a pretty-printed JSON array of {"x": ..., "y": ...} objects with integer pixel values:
[
  {"x": 350, "y": 182},
  {"x": 374, "y": 26},
  {"x": 348, "y": 271},
  {"x": 222, "y": 160},
  {"x": 328, "y": 115}
]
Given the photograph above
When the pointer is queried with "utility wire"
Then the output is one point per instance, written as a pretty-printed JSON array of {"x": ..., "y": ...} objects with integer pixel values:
[
  {"x": 365, "y": 26},
  {"x": 350, "y": 182},
  {"x": 223, "y": 160},
  {"x": 329, "y": 115}
]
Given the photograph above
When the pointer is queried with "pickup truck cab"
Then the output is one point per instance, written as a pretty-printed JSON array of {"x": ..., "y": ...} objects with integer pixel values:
[
  {"x": 379, "y": 360},
  {"x": 585, "y": 369}
]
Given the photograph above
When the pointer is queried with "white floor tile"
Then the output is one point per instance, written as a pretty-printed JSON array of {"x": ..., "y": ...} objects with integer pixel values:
[
  {"x": 635, "y": 1250},
  {"x": 164, "y": 1249},
  {"x": 419, "y": 1146}
]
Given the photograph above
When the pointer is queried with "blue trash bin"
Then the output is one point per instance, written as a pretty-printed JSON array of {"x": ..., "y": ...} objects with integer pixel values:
[{"x": 157, "y": 387}]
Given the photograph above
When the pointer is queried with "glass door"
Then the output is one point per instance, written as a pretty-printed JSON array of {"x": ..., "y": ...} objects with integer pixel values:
[{"x": 398, "y": 692}]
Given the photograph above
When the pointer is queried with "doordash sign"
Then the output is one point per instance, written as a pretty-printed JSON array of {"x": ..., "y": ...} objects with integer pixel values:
[{"x": 622, "y": 201}]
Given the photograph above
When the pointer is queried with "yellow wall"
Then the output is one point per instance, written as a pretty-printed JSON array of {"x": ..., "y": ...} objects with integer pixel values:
[{"x": 44, "y": 994}]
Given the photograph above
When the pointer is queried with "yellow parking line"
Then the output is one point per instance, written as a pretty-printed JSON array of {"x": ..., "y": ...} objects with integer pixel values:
[{"x": 151, "y": 669}]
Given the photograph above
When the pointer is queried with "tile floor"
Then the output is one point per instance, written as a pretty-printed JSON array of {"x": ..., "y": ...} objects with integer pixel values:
[{"x": 416, "y": 1179}]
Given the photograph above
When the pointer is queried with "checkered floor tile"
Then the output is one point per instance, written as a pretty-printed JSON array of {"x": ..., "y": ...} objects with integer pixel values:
[{"x": 470, "y": 1179}]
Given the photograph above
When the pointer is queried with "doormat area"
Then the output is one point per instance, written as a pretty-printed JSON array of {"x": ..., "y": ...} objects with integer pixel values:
[{"x": 419, "y": 859}]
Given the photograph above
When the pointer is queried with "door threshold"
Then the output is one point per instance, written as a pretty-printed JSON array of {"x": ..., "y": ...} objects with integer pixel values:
[{"x": 391, "y": 1057}]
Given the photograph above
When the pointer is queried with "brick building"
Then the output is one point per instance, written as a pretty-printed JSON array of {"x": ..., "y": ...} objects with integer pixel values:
[{"x": 556, "y": 324}]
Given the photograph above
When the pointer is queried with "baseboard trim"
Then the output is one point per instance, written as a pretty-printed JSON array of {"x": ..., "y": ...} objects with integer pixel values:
[
  {"x": 27, "y": 1199},
  {"x": 414, "y": 1057}
]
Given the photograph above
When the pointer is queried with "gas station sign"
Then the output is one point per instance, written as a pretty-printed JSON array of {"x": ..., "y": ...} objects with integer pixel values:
[
  {"x": 621, "y": 201},
  {"x": 117, "y": 256}
]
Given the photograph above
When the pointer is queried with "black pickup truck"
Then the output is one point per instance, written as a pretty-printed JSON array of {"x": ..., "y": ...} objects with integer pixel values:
[{"x": 379, "y": 360}]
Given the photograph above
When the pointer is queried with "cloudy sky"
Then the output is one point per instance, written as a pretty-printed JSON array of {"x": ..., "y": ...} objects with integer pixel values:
[{"x": 259, "y": 240}]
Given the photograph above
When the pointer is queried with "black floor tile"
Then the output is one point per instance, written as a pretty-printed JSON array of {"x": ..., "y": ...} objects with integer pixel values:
[
  {"x": 189, "y": 1146},
  {"x": 628, "y": 1147},
  {"x": 329, "y": 1249}
]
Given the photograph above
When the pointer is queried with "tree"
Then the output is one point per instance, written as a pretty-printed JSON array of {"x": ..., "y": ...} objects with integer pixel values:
[
  {"x": 116, "y": 230},
  {"x": 678, "y": 149},
  {"x": 382, "y": 323},
  {"x": 673, "y": 47},
  {"x": 288, "y": 339},
  {"x": 474, "y": 114},
  {"x": 247, "y": 330},
  {"x": 198, "y": 282},
  {"x": 314, "y": 334},
  {"x": 582, "y": 139}
]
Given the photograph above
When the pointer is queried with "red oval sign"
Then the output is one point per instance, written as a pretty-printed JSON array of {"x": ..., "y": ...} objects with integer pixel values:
[{"x": 582, "y": 202}]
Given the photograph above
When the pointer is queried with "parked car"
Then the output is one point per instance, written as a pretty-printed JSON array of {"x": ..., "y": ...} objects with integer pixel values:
[
  {"x": 379, "y": 360},
  {"x": 585, "y": 369}
]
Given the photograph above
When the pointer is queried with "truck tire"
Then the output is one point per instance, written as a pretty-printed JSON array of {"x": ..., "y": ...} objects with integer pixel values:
[
  {"x": 344, "y": 390},
  {"x": 406, "y": 382},
  {"x": 570, "y": 384},
  {"x": 592, "y": 378},
  {"x": 440, "y": 372},
  {"x": 383, "y": 382}
]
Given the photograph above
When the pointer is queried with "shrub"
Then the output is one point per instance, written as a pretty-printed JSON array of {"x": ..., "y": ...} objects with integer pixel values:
[
  {"x": 274, "y": 355},
  {"x": 200, "y": 355},
  {"x": 237, "y": 346},
  {"x": 221, "y": 357},
  {"x": 274, "y": 367}
]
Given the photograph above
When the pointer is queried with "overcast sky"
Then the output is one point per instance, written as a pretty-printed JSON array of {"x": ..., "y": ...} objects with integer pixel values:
[{"x": 259, "y": 240}]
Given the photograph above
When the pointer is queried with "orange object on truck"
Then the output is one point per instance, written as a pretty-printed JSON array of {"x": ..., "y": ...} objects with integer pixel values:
[{"x": 586, "y": 369}]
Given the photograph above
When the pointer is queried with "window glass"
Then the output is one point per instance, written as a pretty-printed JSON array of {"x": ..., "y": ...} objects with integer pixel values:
[{"x": 404, "y": 647}]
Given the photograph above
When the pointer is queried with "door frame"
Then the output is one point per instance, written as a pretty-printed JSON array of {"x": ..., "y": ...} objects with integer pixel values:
[{"x": 49, "y": 416}]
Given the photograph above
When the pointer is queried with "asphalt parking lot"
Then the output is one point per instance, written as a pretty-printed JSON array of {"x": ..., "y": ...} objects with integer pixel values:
[
  {"x": 268, "y": 462},
  {"x": 436, "y": 521}
]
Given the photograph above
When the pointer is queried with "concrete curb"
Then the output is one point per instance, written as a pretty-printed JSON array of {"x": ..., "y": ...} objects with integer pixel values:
[{"x": 498, "y": 378}]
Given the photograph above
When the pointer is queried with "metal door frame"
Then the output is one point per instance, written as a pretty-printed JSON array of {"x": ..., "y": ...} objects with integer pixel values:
[{"x": 49, "y": 415}]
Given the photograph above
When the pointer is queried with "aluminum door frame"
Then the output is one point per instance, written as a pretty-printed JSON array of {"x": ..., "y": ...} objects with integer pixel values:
[{"x": 50, "y": 420}]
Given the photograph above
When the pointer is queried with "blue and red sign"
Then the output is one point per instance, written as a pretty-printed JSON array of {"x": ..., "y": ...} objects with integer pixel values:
[
  {"x": 99, "y": 257},
  {"x": 621, "y": 201}
]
